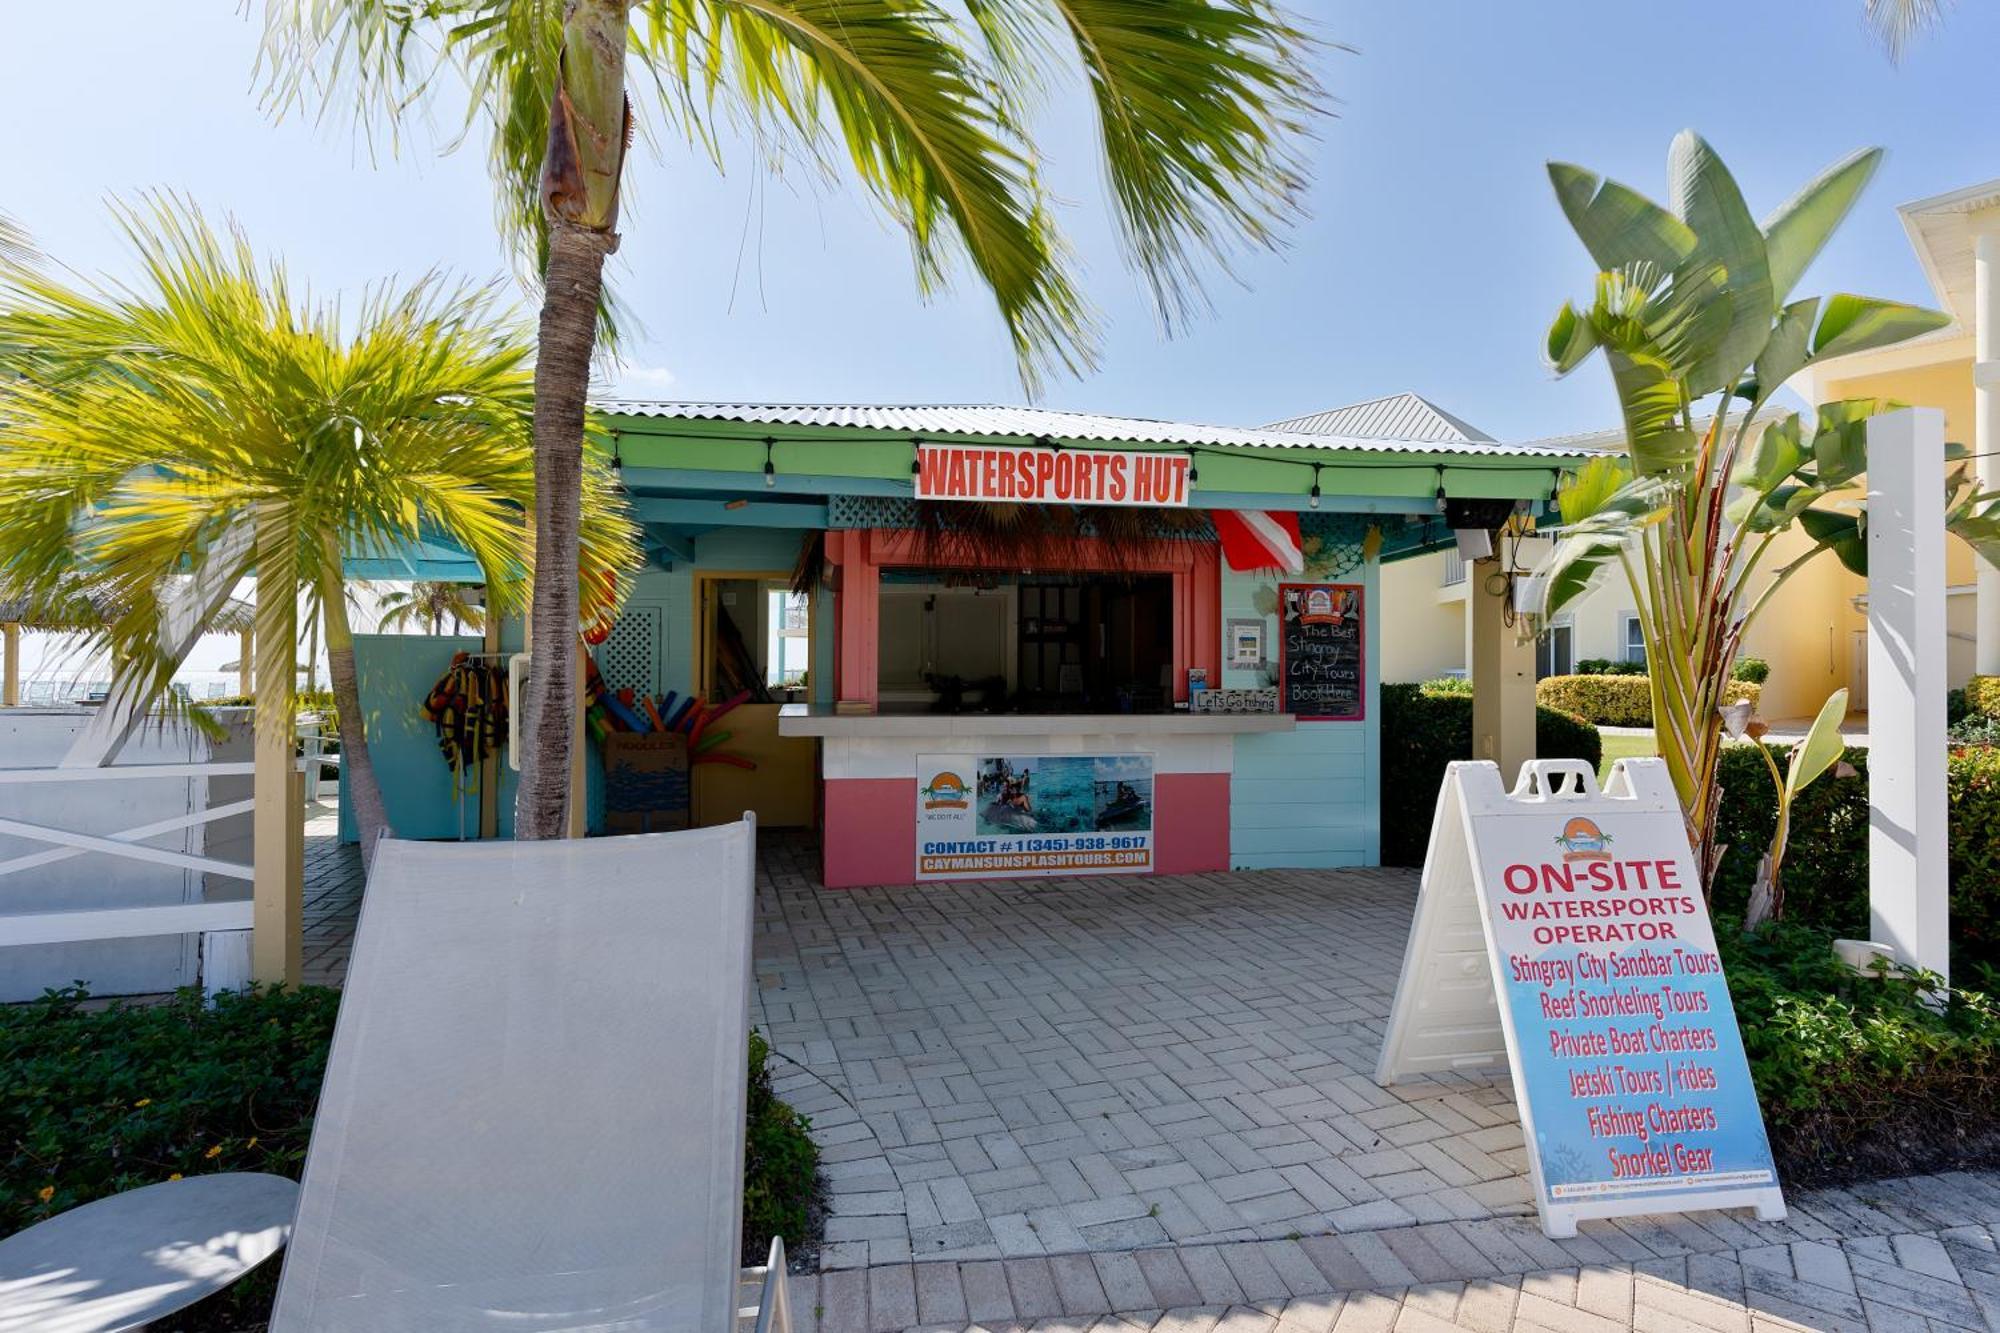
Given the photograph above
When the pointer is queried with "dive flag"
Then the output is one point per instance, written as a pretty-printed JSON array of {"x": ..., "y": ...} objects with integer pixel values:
[{"x": 1260, "y": 539}]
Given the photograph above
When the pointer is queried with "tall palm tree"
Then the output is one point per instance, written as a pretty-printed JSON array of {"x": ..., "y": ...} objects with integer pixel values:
[
  {"x": 154, "y": 417},
  {"x": 431, "y": 603},
  {"x": 1200, "y": 104}
]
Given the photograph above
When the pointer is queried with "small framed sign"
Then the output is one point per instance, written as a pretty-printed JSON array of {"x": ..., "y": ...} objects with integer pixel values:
[{"x": 1245, "y": 637}]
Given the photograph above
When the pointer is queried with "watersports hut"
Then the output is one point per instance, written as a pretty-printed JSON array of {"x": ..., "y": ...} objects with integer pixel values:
[{"x": 972, "y": 642}]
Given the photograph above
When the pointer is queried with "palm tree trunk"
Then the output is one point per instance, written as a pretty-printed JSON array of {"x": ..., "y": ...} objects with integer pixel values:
[
  {"x": 589, "y": 123},
  {"x": 371, "y": 814}
]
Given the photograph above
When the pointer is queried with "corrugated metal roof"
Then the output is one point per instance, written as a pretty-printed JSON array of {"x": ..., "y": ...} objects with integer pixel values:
[
  {"x": 1031, "y": 423},
  {"x": 1399, "y": 416}
]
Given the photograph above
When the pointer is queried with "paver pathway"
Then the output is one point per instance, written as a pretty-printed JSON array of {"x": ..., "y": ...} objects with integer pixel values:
[{"x": 1147, "y": 1104}]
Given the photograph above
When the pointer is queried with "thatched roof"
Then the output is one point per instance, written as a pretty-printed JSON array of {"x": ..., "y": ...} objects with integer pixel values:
[{"x": 76, "y": 608}]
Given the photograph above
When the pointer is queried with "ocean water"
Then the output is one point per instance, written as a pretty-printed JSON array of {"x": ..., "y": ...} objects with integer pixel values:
[
  {"x": 1061, "y": 792},
  {"x": 1066, "y": 794}
]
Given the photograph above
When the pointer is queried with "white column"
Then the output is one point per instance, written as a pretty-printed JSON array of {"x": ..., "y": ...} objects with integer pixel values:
[
  {"x": 1907, "y": 869},
  {"x": 1986, "y": 431},
  {"x": 1503, "y": 675}
]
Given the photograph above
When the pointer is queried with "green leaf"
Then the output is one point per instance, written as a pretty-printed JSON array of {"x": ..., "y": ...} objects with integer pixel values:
[
  {"x": 1860, "y": 323},
  {"x": 1843, "y": 533},
  {"x": 1603, "y": 507},
  {"x": 1777, "y": 454},
  {"x": 1655, "y": 405},
  {"x": 1592, "y": 488},
  {"x": 1787, "y": 350},
  {"x": 1571, "y": 339},
  {"x": 1704, "y": 195},
  {"x": 1796, "y": 233},
  {"x": 1617, "y": 225},
  {"x": 1822, "y": 747}
]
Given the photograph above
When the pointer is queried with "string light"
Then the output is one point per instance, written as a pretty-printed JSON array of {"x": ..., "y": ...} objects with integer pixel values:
[
  {"x": 1055, "y": 446},
  {"x": 1440, "y": 490},
  {"x": 1194, "y": 468},
  {"x": 1312, "y": 496},
  {"x": 770, "y": 469},
  {"x": 617, "y": 463}
]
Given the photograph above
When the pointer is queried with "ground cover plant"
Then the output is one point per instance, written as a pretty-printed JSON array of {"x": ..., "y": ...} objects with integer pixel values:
[
  {"x": 1858, "y": 1076},
  {"x": 96, "y": 1100}
]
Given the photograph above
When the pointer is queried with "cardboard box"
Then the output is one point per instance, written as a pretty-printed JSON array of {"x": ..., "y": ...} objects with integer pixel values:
[{"x": 645, "y": 782}]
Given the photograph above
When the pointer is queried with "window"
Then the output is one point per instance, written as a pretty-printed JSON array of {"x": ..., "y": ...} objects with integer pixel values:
[
  {"x": 1631, "y": 641},
  {"x": 788, "y": 655},
  {"x": 1555, "y": 650}
]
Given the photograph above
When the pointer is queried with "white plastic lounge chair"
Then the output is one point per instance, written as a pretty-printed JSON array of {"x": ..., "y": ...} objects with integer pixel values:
[
  {"x": 533, "y": 1115},
  {"x": 313, "y": 758}
]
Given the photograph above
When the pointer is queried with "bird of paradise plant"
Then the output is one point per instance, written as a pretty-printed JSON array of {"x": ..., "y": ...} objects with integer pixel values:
[
  {"x": 1693, "y": 305},
  {"x": 147, "y": 422}
]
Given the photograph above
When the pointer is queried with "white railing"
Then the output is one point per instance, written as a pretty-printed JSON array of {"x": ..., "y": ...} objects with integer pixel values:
[
  {"x": 1454, "y": 570},
  {"x": 129, "y": 922}
]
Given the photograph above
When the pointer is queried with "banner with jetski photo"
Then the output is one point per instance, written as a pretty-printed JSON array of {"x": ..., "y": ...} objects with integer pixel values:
[{"x": 1022, "y": 816}]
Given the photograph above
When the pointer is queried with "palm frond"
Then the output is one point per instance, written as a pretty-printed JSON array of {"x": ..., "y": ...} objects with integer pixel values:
[
  {"x": 1897, "y": 23},
  {"x": 161, "y": 411}
]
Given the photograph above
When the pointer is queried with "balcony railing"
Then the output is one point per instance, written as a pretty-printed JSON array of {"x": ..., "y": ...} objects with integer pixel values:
[{"x": 1454, "y": 570}]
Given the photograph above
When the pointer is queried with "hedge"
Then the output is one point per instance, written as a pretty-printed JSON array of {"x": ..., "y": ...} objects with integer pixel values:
[
  {"x": 1826, "y": 861},
  {"x": 96, "y": 1101},
  {"x": 1982, "y": 695},
  {"x": 1619, "y": 701},
  {"x": 1425, "y": 727},
  {"x": 1753, "y": 669}
]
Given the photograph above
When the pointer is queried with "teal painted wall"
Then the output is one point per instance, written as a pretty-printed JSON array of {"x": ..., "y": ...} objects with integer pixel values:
[
  {"x": 395, "y": 672},
  {"x": 1309, "y": 797}
]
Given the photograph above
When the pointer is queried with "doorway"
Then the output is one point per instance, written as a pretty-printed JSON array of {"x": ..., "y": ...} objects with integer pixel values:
[{"x": 753, "y": 642}]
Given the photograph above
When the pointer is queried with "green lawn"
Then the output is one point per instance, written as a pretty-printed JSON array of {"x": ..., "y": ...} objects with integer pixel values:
[{"x": 1624, "y": 747}]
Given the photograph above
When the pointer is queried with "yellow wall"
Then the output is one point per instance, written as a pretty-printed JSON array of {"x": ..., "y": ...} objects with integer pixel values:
[
  {"x": 1946, "y": 384},
  {"x": 1423, "y": 624}
]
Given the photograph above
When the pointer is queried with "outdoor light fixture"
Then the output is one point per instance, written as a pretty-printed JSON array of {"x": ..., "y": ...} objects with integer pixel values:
[
  {"x": 617, "y": 463},
  {"x": 770, "y": 471},
  {"x": 1194, "y": 469},
  {"x": 1312, "y": 496},
  {"x": 916, "y": 458}
]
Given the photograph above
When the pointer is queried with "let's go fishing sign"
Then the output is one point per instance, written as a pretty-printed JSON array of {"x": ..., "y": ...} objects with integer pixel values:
[{"x": 1562, "y": 929}]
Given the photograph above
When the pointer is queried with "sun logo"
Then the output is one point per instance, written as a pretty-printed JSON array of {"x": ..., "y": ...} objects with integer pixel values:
[
  {"x": 1582, "y": 840},
  {"x": 946, "y": 792}
]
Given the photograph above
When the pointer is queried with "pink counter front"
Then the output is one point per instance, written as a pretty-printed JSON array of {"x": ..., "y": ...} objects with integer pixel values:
[{"x": 883, "y": 776}]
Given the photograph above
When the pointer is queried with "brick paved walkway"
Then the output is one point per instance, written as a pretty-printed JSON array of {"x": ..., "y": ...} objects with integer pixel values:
[{"x": 1147, "y": 1104}]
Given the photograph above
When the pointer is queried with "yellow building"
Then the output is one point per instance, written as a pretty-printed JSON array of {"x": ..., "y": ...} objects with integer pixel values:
[{"x": 1957, "y": 239}]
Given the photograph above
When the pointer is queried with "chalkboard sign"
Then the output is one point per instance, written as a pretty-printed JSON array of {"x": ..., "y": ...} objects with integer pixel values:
[{"x": 1320, "y": 665}]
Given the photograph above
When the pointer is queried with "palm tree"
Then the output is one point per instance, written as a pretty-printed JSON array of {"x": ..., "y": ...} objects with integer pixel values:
[
  {"x": 1897, "y": 23},
  {"x": 431, "y": 603},
  {"x": 155, "y": 417},
  {"x": 1200, "y": 107}
]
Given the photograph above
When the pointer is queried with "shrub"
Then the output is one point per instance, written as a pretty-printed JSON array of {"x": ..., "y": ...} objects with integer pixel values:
[
  {"x": 1826, "y": 867},
  {"x": 1425, "y": 727},
  {"x": 95, "y": 1101},
  {"x": 1619, "y": 701},
  {"x": 1857, "y": 1076},
  {"x": 1974, "y": 729},
  {"x": 780, "y": 1166},
  {"x": 1753, "y": 669},
  {"x": 1956, "y": 709},
  {"x": 1609, "y": 666},
  {"x": 1982, "y": 695}
]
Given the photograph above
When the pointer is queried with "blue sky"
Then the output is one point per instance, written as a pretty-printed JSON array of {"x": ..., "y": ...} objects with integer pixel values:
[{"x": 1431, "y": 259}]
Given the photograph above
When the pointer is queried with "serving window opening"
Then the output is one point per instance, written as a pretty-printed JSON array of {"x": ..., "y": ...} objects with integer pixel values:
[{"x": 964, "y": 641}]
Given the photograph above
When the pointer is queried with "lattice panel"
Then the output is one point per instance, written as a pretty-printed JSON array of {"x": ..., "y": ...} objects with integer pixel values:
[{"x": 633, "y": 654}]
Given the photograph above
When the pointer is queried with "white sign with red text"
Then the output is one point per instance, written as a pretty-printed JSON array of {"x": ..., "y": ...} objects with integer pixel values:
[
  {"x": 1563, "y": 929},
  {"x": 1000, "y": 472}
]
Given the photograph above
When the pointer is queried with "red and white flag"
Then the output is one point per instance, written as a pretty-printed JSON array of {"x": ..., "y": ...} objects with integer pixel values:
[{"x": 1260, "y": 539}]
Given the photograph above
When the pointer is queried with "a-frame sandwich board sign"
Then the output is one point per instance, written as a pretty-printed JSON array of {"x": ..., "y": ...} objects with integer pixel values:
[{"x": 1562, "y": 929}]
